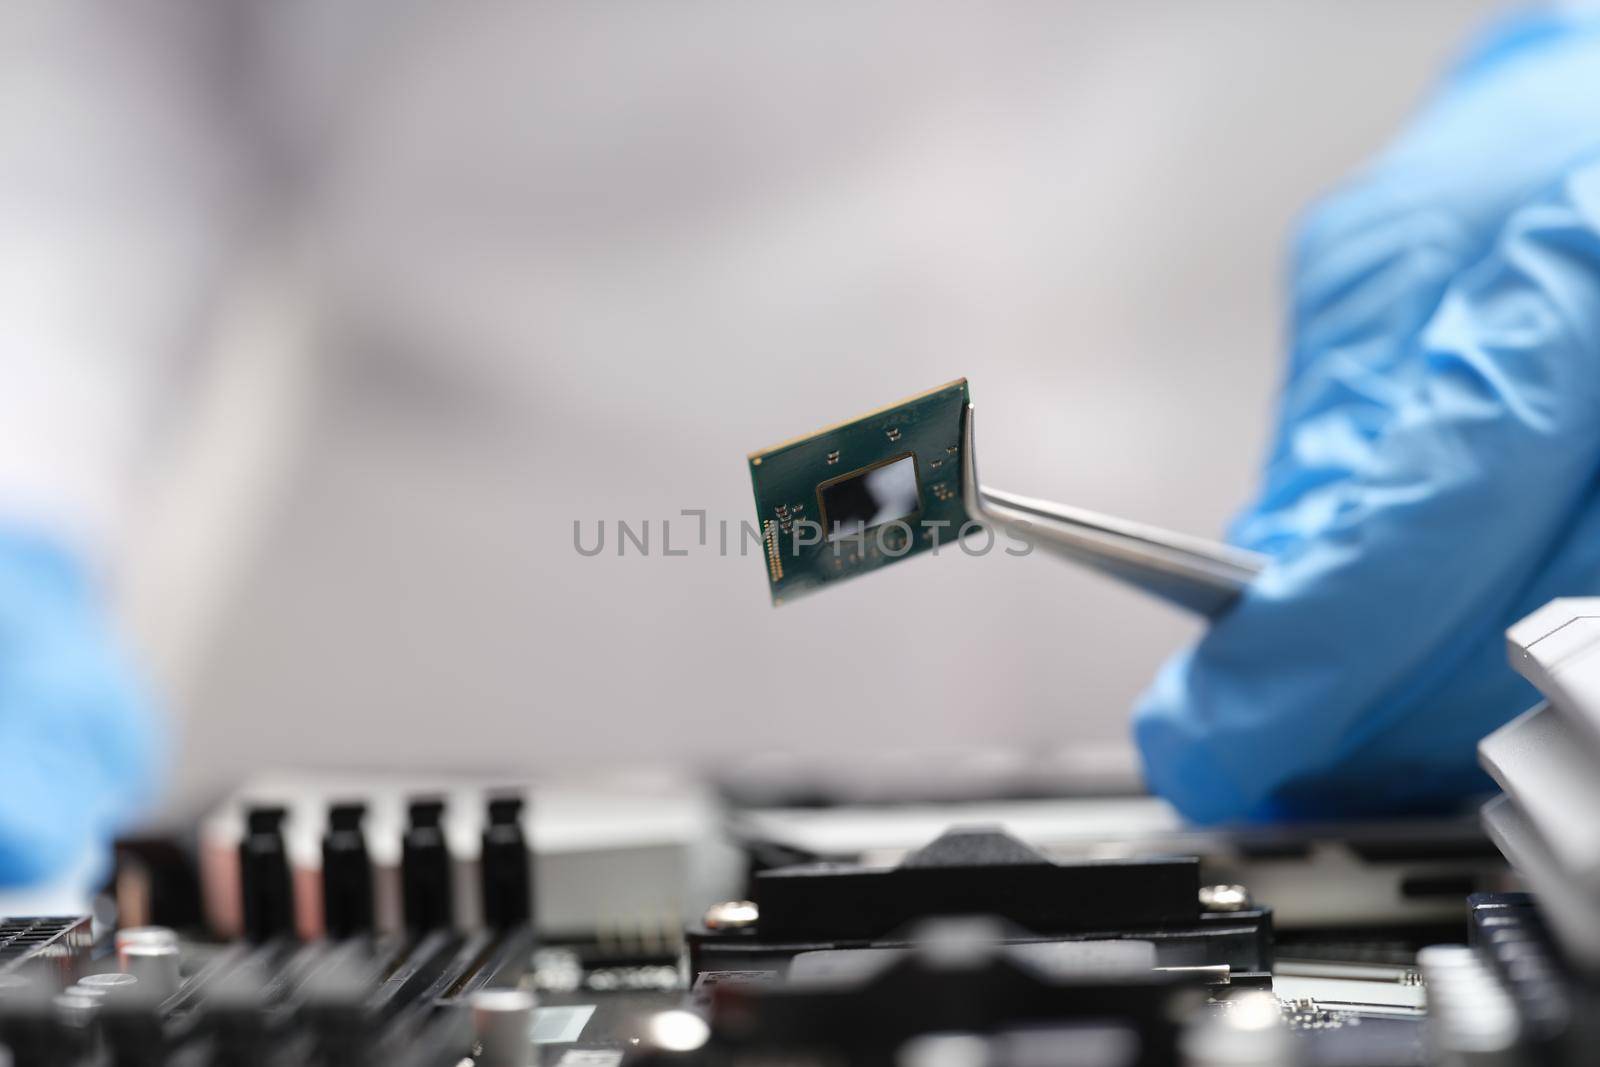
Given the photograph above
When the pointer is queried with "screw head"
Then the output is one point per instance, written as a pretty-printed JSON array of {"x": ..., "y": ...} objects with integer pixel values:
[
  {"x": 732, "y": 915},
  {"x": 1224, "y": 897}
]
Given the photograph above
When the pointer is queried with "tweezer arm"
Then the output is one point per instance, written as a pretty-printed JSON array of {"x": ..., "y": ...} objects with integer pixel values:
[{"x": 1203, "y": 576}]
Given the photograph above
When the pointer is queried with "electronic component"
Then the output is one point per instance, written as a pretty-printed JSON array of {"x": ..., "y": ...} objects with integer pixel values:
[
  {"x": 961, "y": 995},
  {"x": 1557, "y": 648},
  {"x": 861, "y": 494},
  {"x": 267, "y": 892},
  {"x": 347, "y": 901},
  {"x": 502, "y": 1019},
  {"x": 1158, "y": 901},
  {"x": 1409, "y": 874},
  {"x": 154, "y": 965},
  {"x": 505, "y": 877},
  {"x": 425, "y": 869},
  {"x": 1547, "y": 762},
  {"x": 628, "y": 860},
  {"x": 1521, "y": 991},
  {"x": 54, "y": 942}
]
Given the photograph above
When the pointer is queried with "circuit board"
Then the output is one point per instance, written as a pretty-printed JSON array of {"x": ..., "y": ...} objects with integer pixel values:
[
  {"x": 976, "y": 942},
  {"x": 862, "y": 494}
]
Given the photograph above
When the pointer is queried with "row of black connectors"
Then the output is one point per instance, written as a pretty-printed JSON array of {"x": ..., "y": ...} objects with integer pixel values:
[
  {"x": 356, "y": 998},
  {"x": 267, "y": 884}
]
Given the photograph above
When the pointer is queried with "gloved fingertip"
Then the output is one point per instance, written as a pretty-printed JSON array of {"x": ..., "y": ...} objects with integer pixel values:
[{"x": 75, "y": 709}]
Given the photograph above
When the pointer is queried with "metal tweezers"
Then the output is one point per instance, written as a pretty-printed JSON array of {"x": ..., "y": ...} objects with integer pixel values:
[{"x": 1204, "y": 576}]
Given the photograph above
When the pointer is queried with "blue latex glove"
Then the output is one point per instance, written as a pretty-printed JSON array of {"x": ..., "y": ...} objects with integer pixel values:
[
  {"x": 77, "y": 740},
  {"x": 1435, "y": 474}
]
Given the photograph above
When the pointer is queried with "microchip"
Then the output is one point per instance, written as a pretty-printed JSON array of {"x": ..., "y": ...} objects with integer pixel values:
[{"x": 861, "y": 494}]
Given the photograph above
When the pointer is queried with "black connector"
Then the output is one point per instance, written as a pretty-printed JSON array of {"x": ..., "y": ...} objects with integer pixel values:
[
  {"x": 425, "y": 870},
  {"x": 506, "y": 873},
  {"x": 347, "y": 906},
  {"x": 265, "y": 884},
  {"x": 977, "y": 871}
]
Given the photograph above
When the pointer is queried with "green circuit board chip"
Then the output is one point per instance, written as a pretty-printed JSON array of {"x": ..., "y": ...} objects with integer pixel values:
[{"x": 862, "y": 494}]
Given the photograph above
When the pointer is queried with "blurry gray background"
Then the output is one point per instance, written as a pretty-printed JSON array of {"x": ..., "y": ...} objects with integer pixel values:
[{"x": 504, "y": 267}]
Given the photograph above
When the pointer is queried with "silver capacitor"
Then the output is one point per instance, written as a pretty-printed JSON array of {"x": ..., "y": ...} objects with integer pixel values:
[
  {"x": 502, "y": 1020},
  {"x": 154, "y": 965},
  {"x": 145, "y": 935}
]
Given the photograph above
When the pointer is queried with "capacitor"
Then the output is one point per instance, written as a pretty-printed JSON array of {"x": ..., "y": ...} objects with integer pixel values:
[
  {"x": 155, "y": 965},
  {"x": 143, "y": 935},
  {"x": 502, "y": 1020}
]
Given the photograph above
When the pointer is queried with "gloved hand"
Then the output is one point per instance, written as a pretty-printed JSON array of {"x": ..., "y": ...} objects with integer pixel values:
[
  {"x": 1436, "y": 474},
  {"x": 77, "y": 739}
]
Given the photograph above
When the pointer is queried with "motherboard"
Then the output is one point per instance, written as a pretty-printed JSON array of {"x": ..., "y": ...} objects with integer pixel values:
[{"x": 329, "y": 920}]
